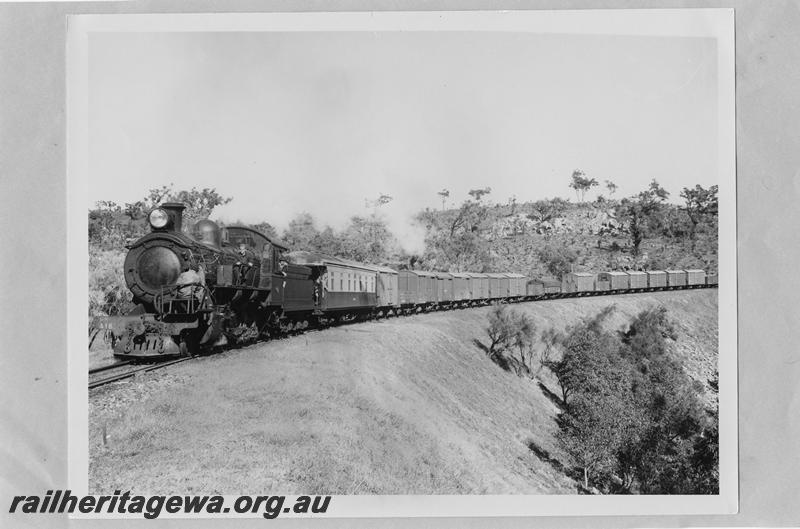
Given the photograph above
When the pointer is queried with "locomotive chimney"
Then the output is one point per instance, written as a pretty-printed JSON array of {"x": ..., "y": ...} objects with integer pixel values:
[{"x": 175, "y": 211}]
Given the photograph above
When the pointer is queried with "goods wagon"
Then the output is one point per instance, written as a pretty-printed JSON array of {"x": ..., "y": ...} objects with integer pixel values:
[
  {"x": 577, "y": 282},
  {"x": 541, "y": 287},
  {"x": 602, "y": 285},
  {"x": 461, "y": 286},
  {"x": 695, "y": 277},
  {"x": 676, "y": 278},
  {"x": 498, "y": 285},
  {"x": 712, "y": 279},
  {"x": 656, "y": 279},
  {"x": 517, "y": 285},
  {"x": 444, "y": 287},
  {"x": 637, "y": 279},
  {"x": 480, "y": 285},
  {"x": 427, "y": 287},
  {"x": 407, "y": 287},
  {"x": 616, "y": 280},
  {"x": 387, "y": 288}
]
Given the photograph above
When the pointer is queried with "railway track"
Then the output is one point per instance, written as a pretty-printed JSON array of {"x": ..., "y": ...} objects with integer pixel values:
[
  {"x": 128, "y": 373},
  {"x": 109, "y": 367},
  {"x": 135, "y": 369}
]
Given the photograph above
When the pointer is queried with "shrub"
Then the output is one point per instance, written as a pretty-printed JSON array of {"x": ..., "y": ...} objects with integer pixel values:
[
  {"x": 511, "y": 334},
  {"x": 108, "y": 293},
  {"x": 633, "y": 418}
]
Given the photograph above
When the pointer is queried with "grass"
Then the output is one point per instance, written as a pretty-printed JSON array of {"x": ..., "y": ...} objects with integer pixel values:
[{"x": 404, "y": 406}]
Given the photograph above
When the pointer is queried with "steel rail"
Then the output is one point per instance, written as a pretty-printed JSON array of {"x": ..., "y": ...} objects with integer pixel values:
[
  {"x": 112, "y": 366},
  {"x": 130, "y": 374}
]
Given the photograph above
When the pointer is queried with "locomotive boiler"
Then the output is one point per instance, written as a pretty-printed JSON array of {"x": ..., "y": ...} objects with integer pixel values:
[{"x": 205, "y": 288}]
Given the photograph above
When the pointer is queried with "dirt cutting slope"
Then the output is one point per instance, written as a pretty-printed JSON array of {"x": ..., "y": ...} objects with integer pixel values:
[{"x": 404, "y": 406}]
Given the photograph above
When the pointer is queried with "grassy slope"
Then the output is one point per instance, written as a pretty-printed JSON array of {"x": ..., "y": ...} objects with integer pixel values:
[{"x": 409, "y": 405}]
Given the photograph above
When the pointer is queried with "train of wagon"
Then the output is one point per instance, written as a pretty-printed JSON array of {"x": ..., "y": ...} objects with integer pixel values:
[{"x": 218, "y": 285}]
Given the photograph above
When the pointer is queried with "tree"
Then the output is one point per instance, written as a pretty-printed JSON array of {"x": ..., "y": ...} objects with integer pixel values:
[
  {"x": 464, "y": 251},
  {"x": 478, "y": 194},
  {"x": 266, "y": 228},
  {"x": 500, "y": 330},
  {"x": 587, "y": 354},
  {"x": 557, "y": 258},
  {"x": 600, "y": 416},
  {"x": 581, "y": 184},
  {"x": 200, "y": 203},
  {"x": 594, "y": 429},
  {"x": 611, "y": 186},
  {"x": 444, "y": 193},
  {"x": 367, "y": 239},
  {"x": 453, "y": 239},
  {"x": 378, "y": 202},
  {"x": 658, "y": 460},
  {"x": 509, "y": 332},
  {"x": 300, "y": 232},
  {"x": 632, "y": 416},
  {"x": 543, "y": 211},
  {"x": 701, "y": 205},
  {"x": 512, "y": 201},
  {"x": 642, "y": 214}
]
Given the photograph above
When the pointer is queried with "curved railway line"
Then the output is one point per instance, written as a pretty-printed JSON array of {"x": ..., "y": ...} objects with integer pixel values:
[{"x": 133, "y": 369}]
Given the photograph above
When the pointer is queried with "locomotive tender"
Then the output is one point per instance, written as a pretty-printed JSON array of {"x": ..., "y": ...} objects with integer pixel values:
[{"x": 223, "y": 284}]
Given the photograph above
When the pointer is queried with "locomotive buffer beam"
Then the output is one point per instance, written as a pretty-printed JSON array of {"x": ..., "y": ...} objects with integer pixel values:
[{"x": 143, "y": 334}]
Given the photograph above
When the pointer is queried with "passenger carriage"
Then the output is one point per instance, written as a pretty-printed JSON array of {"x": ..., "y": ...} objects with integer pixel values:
[{"x": 340, "y": 286}]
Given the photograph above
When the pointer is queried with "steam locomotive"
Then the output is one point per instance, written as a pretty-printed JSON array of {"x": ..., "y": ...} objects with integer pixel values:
[{"x": 234, "y": 284}]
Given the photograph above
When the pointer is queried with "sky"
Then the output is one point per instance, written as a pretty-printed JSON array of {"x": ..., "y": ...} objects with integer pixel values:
[{"x": 320, "y": 122}]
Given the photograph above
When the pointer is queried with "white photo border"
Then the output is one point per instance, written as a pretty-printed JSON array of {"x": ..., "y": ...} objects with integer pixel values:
[{"x": 710, "y": 23}]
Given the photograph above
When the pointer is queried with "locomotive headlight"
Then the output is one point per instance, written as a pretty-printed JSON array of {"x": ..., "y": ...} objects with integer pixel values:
[{"x": 158, "y": 218}]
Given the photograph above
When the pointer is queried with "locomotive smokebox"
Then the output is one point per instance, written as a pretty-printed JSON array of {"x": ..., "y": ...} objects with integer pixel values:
[{"x": 175, "y": 212}]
